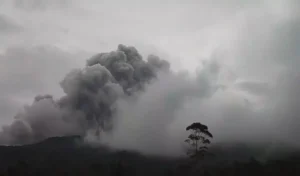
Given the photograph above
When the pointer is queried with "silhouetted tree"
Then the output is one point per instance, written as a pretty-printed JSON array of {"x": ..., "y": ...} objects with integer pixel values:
[{"x": 198, "y": 139}]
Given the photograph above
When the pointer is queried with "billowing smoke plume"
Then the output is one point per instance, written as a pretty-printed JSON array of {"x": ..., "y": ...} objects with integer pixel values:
[
  {"x": 126, "y": 102},
  {"x": 90, "y": 100}
]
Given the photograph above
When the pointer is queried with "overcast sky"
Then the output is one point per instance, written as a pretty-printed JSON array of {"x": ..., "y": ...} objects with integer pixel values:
[{"x": 41, "y": 40}]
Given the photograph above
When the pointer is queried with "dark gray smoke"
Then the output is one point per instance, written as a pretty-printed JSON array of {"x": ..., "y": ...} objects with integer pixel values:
[
  {"x": 128, "y": 67},
  {"x": 126, "y": 102},
  {"x": 90, "y": 100}
]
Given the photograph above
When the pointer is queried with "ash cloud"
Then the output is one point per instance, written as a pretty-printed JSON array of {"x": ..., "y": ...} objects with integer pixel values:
[
  {"x": 90, "y": 97},
  {"x": 143, "y": 105},
  {"x": 117, "y": 93},
  {"x": 262, "y": 110}
]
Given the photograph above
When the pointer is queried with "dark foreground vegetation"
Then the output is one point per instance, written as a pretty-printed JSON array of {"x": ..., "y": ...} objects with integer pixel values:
[{"x": 67, "y": 156}]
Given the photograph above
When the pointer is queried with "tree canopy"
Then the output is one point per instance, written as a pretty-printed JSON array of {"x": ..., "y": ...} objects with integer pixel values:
[{"x": 198, "y": 139}]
